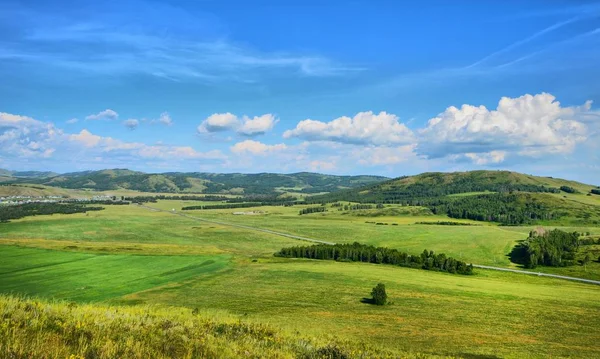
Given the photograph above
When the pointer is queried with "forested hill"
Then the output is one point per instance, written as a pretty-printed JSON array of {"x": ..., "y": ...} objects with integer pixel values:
[
  {"x": 197, "y": 182},
  {"x": 438, "y": 184},
  {"x": 496, "y": 196}
]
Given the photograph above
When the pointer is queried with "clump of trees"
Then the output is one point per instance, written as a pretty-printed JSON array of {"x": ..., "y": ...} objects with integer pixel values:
[
  {"x": 554, "y": 248},
  {"x": 357, "y": 252},
  {"x": 595, "y": 191},
  {"x": 379, "y": 295},
  {"x": 310, "y": 210},
  {"x": 568, "y": 189},
  {"x": 33, "y": 209},
  {"x": 508, "y": 209}
]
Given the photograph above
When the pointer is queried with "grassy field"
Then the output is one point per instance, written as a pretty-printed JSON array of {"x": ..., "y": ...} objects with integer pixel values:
[
  {"x": 128, "y": 255},
  {"x": 42, "y": 329},
  {"x": 95, "y": 277}
]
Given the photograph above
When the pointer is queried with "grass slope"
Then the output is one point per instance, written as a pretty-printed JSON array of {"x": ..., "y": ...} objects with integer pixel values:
[
  {"x": 40, "y": 329},
  {"x": 488, "y": 315}
]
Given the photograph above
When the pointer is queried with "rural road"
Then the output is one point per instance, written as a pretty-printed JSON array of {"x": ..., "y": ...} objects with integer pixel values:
[{"x": 590, "y": 281}]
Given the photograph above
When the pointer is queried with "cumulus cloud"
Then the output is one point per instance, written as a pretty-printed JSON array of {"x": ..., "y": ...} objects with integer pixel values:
[
  {"x": 384, "y": 155},
  {"x": 319, "y": 165},
  {"x": 164, "y": 119},
  {"x": 219, "y": 122},
  {"x": 72, "y": 121},
  {"x": 85, "y": 138},
  {"x": 258, "y": 125},
  {"x": 246, "y": 126},
  {"x": 131, "y": 124},
  {"x": 530, "y": 125},
  {"x": 23, "y": 138},
  {"x": 256, "y": 148},
  {"x": 107, "y": 114},
  {"x": 365, "y": 128}
]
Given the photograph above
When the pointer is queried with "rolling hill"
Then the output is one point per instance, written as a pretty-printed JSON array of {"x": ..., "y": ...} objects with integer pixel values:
[
  {"x": 496, "y": 196},
  {"x": 197, "y": 182}
]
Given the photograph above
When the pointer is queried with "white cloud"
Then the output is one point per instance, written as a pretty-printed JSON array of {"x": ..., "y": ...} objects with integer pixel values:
[
  {"x": 486, "y": 158},
  {"x": 384, "y": 156},
  {"x": 258, "y": 125},
  {"x": 23, "y": 138},
  {"x": 256, "y": 148},
  {"x": 86, "y": 138},
  {"x": 72, "y": 121},
  {"x": 107, "y": 114},
  {"x": 318, "y": 165},
  {"x": 530, "y": 125},
  {"x": 220, "y": 122},
  {"x": 165, "y": 119},
  {"x": 364, "y": 128},
  {"x": 131, "y": 124}
]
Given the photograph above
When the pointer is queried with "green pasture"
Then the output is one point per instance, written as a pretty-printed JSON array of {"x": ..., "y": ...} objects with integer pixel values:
[
  {"x": 94, "y": 277},
  {"x": 131, "y": 255}
]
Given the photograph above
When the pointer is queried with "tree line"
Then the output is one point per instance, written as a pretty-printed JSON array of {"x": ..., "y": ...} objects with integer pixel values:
[
  {"x": 357, "y": 252},
  {"x": 595, "y": 191},
  {"x": 236, "y": 205},
  {"x": 554, "y": 248},
  {"x": 33, "y": 209},
  {"x": 154, "y": 199},
  {"x": 310, "y": 210},
  {"x": 446, "y": 223}
]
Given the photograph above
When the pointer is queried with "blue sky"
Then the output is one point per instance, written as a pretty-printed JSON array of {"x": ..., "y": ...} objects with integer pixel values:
[{"x": 353, "y": 87}]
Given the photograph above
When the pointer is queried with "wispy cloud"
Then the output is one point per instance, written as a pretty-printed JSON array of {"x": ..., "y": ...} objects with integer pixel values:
[
  {"x": 524, "y": 41},
  {"x": 103, "y": 43}
]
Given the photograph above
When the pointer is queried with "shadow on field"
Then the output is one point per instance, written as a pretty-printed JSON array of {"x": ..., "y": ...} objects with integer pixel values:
[
  {"x": 368, "y": 301},
  {"x": 518, "y": 253}
]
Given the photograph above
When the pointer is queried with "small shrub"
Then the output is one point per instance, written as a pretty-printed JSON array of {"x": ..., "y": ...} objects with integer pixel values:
[{"x": 379, "y": 295}]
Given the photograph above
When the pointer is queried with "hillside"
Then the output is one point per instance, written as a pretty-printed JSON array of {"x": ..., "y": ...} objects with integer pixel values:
[
  {"x": 436, "y": 184},
  {"x": 497, "y": 196},
  {"x": 40, "y": 329},
  {"x": 196, "y": 182}
]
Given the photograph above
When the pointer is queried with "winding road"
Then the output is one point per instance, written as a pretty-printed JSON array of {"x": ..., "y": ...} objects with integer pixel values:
[{"x": 590, "y": 281}]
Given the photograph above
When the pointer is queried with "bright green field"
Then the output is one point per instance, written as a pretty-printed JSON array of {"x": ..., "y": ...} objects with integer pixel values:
[
  {"x": 95, "y": 277},
  {"x": 131, "y": 255}
]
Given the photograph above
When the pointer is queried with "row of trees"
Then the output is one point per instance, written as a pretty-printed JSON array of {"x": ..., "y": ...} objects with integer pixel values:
[
  {"x": 357, "y": 252},
  {"x": 310, "y": 210},
  {"x": 445, "y": 223},
  {"x": 33, "y": 209},
  {"x": 595, "y": 191},
  {"x": 153, "y": 199},
  {"x": 554, "y": 248},
  {"x": 237, "y": 205},
  {"x": 222, "y": 206}
]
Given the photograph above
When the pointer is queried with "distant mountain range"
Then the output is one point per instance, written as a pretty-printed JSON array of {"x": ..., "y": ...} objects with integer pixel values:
[{"x": 196, "y": 182}]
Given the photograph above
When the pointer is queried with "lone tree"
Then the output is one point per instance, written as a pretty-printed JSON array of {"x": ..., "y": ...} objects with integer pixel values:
[{"x": 379, "y": 295}]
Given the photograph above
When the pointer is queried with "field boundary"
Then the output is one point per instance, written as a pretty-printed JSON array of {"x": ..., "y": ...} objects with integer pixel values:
[{"x": 583, "y": 280}]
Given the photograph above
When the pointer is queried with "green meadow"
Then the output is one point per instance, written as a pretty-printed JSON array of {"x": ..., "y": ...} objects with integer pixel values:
[{"x": 128, "y": 255}]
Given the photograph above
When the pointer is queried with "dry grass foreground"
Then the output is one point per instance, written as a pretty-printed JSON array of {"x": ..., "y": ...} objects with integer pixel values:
[{"x": 39, "y": 329}]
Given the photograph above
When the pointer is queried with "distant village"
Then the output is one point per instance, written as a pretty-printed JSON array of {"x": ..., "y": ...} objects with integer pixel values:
[{"x": 16, "y": 200}]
